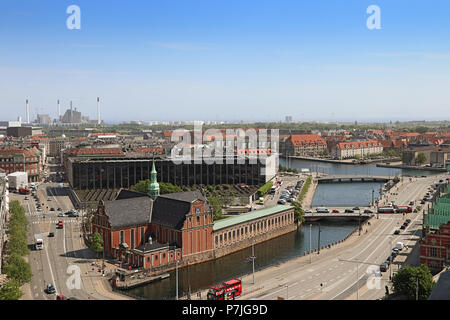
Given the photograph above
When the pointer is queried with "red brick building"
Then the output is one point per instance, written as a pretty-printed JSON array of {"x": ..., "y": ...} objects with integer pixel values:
[
  {"x": 303, "y": 145},
  {"x": 151, "y": 233},
  {"x": 435, "y": 248},
  {"x": 13, "y": 159}
]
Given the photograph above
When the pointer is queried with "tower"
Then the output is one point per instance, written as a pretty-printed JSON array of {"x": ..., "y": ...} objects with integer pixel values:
[
  {"x": 153, "y": 188},
  {"x": 59, "y": 112}
]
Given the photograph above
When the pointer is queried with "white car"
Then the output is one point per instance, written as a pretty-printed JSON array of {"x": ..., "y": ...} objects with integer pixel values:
[{"x": 308, "y": 211}]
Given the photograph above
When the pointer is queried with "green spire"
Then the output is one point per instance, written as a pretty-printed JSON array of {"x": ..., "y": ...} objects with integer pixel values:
[{"x": 153, "y": 187}]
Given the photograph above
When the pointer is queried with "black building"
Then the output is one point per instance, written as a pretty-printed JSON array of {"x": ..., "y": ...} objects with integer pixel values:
[{"x": 115, "y": 173}]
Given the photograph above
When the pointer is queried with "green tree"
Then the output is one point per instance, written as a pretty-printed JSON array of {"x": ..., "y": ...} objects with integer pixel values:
[
  {"x": 298, "y": 211},
  {"x": 216, "y": 206},
  {"x": 96, "y": 243},
  {"x": 421, "y": 158},
  {"x": 18, "y": 269},
  {"x": 405, "y": 282},
  {"x": 10, "y": 291}
]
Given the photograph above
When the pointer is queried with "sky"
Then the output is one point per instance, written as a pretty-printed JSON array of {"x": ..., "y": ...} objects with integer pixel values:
[{"x": 172, "y": 60}]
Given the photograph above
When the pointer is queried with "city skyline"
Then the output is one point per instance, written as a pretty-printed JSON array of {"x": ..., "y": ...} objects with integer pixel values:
[{"x": 258, "y": 61}]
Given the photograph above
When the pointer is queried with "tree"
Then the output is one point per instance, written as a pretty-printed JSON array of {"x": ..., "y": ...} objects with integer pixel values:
[
  {"x": 298, "y": 211},
  {"x": 10, "y": 291},
  {"x": 96, "y": 243},
  {"x": 405, "y": 282},
  {"x": 421, "y": 158},
  {"x": 216, "y": 206},
  {"x": 18, "y": 269}
]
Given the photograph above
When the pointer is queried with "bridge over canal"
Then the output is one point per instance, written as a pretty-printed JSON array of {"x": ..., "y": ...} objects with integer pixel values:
[
  {"x": 355, "y": 216},
  {"x": 352, "y": 178}
]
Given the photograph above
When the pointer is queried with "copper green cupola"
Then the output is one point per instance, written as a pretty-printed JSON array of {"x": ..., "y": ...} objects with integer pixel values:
[{"x": 153, "y": 187}]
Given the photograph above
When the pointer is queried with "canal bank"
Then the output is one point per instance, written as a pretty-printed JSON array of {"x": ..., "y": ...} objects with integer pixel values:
[{"x": 273, "y": 252}]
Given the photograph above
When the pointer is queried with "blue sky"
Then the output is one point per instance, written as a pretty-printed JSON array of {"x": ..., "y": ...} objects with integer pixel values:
[{"x": 227, "y": 60}]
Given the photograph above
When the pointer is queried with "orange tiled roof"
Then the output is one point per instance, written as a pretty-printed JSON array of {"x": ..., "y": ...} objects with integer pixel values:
[
  {"x": 307, "y": 139},
  {"x": 80, "y": 152}
]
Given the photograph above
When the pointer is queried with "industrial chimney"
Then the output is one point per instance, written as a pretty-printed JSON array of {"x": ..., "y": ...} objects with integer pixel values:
[
  {"x": 99, "y": 121},
  {"x": 28, "y": 112},
  {"x": 59, "y": 112}
]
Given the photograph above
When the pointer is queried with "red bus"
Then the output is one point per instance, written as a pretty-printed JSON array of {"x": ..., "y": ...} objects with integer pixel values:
[
  {"x": 225, "y": 291},
  {"x": 386, "y": 210},
  {"x": 404, "y": 209}
]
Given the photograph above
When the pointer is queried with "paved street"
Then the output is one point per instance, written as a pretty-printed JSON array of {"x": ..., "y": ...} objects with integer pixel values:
[
  {"x": 337, "y": 268},
  {"x": 64, "y": 254}
]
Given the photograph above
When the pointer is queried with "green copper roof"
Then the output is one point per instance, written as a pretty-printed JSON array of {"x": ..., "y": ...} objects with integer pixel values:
[
  {"x": 434, "y": 221},
  {"x": 252, "y": 215}
]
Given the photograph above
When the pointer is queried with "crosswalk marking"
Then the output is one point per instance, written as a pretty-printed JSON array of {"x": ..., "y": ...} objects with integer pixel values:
[{"x": 54, "y": 221}]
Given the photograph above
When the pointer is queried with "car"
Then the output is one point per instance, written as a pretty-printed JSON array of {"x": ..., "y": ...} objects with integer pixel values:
[
  {"x": 411, "y": 203},
  {"x": 26, "y": 198},
  {"x": 403, "y": 227},
  {"x": 290, "y": 199},
  {"x": 335, "y": 211},
  {"x": 408, "y": 220},
  {"x": 368, "y": 211},
  {"x": 50, "y": 289},
  {"x": 60, "y": 214},
  {"x": 281, "y": 201},
  {"x": 51, "y": 234},
  {"x": 349, "y": 211},
  {"x": 422, "y": 201},
  {"x": 397, "y": 231},
  {"x": 394, "y": 254},
  {"x": 383, "y": 267},
  {"x": 61, "y": 297},
  {"x": 59, "y": 209},
  {"x": 441, "y": 181},
  {"x": 308, "y": 211},
  {"x": 52, "y": 209},
  {"x": 49, "y": 199},
  {"x": 356, "y": 208},
  {"x": 389, "y": 260}
]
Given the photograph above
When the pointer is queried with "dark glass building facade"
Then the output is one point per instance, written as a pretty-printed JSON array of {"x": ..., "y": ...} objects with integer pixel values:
[{"x": 125, "y": 172}]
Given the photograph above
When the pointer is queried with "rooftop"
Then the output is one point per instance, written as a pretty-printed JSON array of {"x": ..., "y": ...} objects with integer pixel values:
[{"x": 252, "y": 215}]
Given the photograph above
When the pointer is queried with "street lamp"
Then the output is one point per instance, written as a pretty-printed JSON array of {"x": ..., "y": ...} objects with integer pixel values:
[{"x": 310, "y": 243}]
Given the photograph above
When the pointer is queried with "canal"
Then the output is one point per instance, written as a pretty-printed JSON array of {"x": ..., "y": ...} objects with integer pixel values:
[
  {"x": 288, "y": 246},
  {"x": 235, "y": 265},
  {"x": 348, "y": 194}
]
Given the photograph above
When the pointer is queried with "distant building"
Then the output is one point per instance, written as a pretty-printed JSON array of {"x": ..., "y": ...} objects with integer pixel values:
[
  {"x": 304, "y": 145},
  {"x": 19, "y": 131},
  {"x": 71, "y": 116},
  {"x": 352, "y": 149},
  {"x": 43, "y": 119},
  {"x": 288, "y": 119}
]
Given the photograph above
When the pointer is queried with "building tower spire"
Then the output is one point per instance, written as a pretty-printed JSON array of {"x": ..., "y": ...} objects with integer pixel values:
[{"x": 153, "y": 188}]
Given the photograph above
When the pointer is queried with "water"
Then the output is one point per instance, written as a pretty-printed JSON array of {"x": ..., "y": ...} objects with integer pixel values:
[
  {"x": 268, "y": 253},
  {"x": 349, "y": 194}
]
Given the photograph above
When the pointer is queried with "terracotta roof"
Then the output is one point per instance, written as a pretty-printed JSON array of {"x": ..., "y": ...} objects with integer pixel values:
[
  {"x": 156, "y": 149},
  {"x": 307, "y": 139},
  {"x": 96, "y": 151}
]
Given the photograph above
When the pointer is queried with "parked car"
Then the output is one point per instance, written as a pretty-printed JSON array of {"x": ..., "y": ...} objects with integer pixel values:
[
  {"x": 60, "y": 214},
  {"x": 408, "y": 220},
  {"x": 422, "y": 201},
  {"x": 368, "y": 211},
  {"x": 52, "y": 209},
  {"x": 411, "y": 203},
  {"x": 356, "y": 208},
  {"x": 335, "y": 211},
  {"x": 51, "y": 234},
  {"x": 281, "y": 201},
  {"x": 403, "y": 227},
  {"x": 397, "y": 231},
  {"x": 308, "y": 211},
  {"x": 383, "y": 267},
  {"x": 349, "y": 211}
]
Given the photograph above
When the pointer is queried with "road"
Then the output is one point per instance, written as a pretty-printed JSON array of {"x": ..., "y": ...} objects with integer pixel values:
[
  {"x": 348, "y": 266},
  {"x": 63, "y": 255}
]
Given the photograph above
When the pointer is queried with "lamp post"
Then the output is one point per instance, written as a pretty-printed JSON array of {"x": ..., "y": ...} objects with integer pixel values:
[
  {"x": 253, "y": 260},
  {"x": 176, "y": 276},
  {"x": 310, "y": 243}
]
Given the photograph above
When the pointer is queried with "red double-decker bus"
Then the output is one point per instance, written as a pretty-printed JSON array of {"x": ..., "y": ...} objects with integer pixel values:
[
  {"x": 404, "y": 209},
  {"x": 225, "y": 291},
  {"x": 386, "y": 210}
]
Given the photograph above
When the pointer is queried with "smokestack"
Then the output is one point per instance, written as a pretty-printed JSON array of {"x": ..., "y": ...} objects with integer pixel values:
[
  {"x": 98, "y": 111},
  {"x": 59, "y": 112},
  {"x": 28, "y": 112}
]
